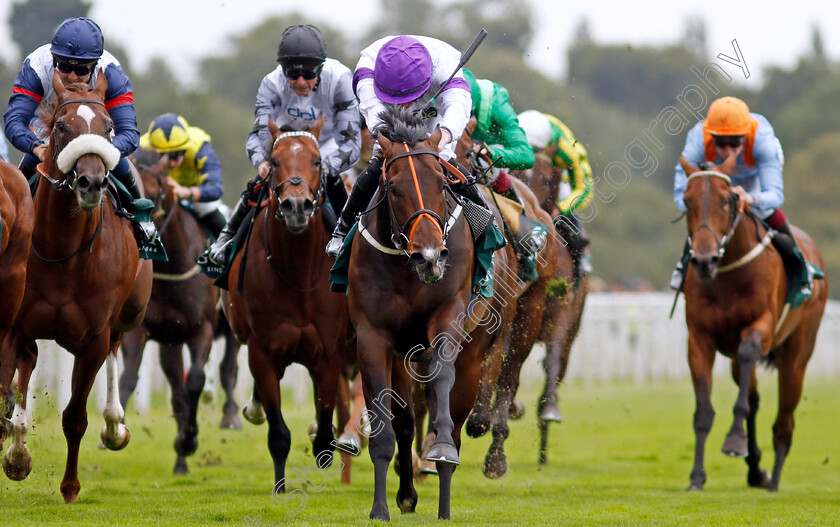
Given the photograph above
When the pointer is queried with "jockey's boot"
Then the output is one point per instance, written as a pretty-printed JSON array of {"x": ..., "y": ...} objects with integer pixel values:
[
  {"x": 218, "y": 252},
  {"x": 576, "y": 240},
  {"x": 27, "y": 167},
  {"x": 360, "y": 196},
  {"x": 336, "y": 192},
  {"x": 213, "y": 222},
  {"x": 678, "y": 276},
  {"x": 794, "y": 259},
  {"x": 145, "y": 230}
]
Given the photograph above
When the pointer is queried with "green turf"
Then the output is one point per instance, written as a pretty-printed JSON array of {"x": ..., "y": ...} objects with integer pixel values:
[{"x": 622, "y": 457}]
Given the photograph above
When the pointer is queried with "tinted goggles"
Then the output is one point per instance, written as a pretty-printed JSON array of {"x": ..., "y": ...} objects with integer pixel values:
[
  {"x": 293, "y": 74},
  {"x": 177, "y": 154},
  {"x": 733, "y": 141},
  {"x": 79, "y": 69}
]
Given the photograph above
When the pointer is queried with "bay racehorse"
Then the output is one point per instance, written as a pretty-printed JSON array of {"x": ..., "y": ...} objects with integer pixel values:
[
  {"x": 542, "y": 306},
  {"x": 16, "y": 223},
  {"x": 735, "y": 291},
  {"x": 85, "y": 283},
  {"x": 563, "y": 312},
  {"x": 182, "y": 310},
  {"x": 280, "y": 304},
  {"x": 410, "y": 290}
]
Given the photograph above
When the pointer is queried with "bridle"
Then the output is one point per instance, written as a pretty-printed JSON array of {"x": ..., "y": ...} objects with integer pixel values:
[
  {"x": 297, "y": 180},
  {"x": 399, "y": 238},
  {"x": 68, "y": 183},
  {"x": 734, "y": 213}
]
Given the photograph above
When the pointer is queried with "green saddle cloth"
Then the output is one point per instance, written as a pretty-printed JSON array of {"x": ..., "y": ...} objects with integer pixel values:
[
  {"x": 140, "y": 210},
  {"x": 482, "y": 280},
  {"x": 800, "y": 288}
]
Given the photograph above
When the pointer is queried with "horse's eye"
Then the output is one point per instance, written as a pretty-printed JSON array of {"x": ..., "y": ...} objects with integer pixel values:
[
  {"x": 109, "y": 127},
  {"x": 61, "y": 126},
  {"x": 317, "y": 162}
]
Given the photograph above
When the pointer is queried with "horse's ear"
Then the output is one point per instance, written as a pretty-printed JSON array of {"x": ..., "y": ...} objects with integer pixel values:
[
  {"x": 384, "y": 143},
  {"x": 688, "y": 167},
  {"x": 728, "y": 164},
  {"x": 58, "y": 86},
  {"x": 101, "y": 85},
  {"x": 317, "y": 127},
  {"x": 273, "y": 129}
]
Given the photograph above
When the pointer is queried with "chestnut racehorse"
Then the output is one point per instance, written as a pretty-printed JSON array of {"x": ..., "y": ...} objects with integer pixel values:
[
  {"x": 285, "y": 312},
  {"x": 85, "y": 283},
  {"x": 735, "y": 291},
  {"x": 182, "y": 310},
  {"x": 563, "y": 314},
  {"x": 410, "y": 289},
  {"x": 16, "y": 223}
]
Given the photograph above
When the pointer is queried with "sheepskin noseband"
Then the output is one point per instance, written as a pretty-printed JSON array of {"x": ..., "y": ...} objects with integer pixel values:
[{"x": 88, "y": 144}]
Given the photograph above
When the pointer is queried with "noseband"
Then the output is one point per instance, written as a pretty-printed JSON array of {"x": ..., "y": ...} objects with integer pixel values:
[
  {"x": 734, "y": 214},
  {"x": 398, "y": 237},
  {"x": 297, "y": 180},
  {"x": 68, "y": 183}
]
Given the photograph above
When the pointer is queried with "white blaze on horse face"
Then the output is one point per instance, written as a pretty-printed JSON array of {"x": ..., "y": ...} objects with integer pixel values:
[
  {"x": 295, "y": 148},
  {"x": 86, "y": 113}
]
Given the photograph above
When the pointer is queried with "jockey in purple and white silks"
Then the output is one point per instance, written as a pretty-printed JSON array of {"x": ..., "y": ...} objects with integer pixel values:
[
  {"x": 304, "y": 87},
  {"x": 406, "y": 70},
  {"x": 75, "y": 54}
]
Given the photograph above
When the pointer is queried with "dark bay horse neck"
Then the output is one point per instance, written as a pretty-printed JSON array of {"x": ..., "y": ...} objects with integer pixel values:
[
  {"x": 85, "y": 284},
  {"x": 543, "y": 180}
]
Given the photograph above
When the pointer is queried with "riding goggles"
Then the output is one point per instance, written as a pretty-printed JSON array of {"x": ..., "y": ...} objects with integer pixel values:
[
  {"x": 293, "y": 74},
  {"x": 177, "y": 154},
  {"x": 81, "y": 70},
  {"x": 733, "y": 141}
]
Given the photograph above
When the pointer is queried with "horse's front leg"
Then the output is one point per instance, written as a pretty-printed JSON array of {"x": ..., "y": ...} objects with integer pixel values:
[
  {"x": 375, "y": 352},
  {"x": 267, "y": 387},
  {"x": 404, "y": 430},
  {"x": 701, "y": 359},
  {"x": 199, "y": 345},
  {"x": 172, "y": 364},
  {"x": 114, "y": 434},
  {"x": 228, "y": 370},
  {"x": 17, "y": 463},
  {"x": 325, "y": 376},
  {"x": 749, "y": 351},
  {"x": 74, "y": 418},
  {"x": 133, "y": 344}
]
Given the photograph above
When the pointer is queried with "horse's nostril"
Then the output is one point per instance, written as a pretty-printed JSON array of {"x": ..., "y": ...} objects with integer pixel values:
[
  {"x": 444, "y": 254},
  {"x": 286, "y": 206},
  {"x": 83, "y": 183},
  {"x": 714, "y": 260},
  {"x": 694, "y": 260},
  {"x": 308, "y": 206},
  {"x": 418, "y": 259}
]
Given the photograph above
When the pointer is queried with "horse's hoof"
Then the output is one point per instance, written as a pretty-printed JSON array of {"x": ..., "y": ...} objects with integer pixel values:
[
  {"x": 349, "y": 443},
  {"x": 254, "y": 413},
  {"x": 735, "y": 445},
  {"x": 427, "y": 467},
  {"x": 443, "y": 453},
  {"x": 118, "y": 441},
  {"x": 516, "y": 410},
  {"x": 477, "y": 426},
  {"x": 181, "y": 468},
  {"x": 495, "y": 465},
  {"x": 230, "y": 422},
  {"x": 408, "y": 503},
  {"x": 19, "y": 467},
  {"x": 759, "y": 479},
  {"x": 551, "y": 414},
  {"x": 694, "y": 487},
  {"x": 380, "y": 513},
  {"x": 186, "y": 446}
]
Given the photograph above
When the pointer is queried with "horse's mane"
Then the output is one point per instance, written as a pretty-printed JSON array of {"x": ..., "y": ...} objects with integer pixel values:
[
  {"x": 402, "y": 125},
  {"x": 295, "y": 126},
  {"x": 46, "y": 112}
]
